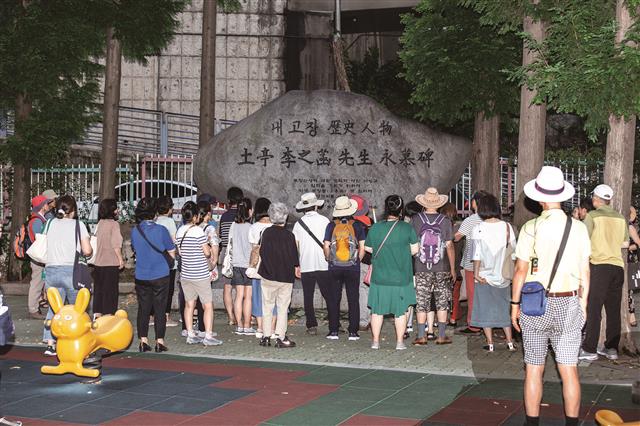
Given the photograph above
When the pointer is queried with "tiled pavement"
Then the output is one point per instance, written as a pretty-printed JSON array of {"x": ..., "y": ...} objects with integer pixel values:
[{"x": 153, "y": 389}]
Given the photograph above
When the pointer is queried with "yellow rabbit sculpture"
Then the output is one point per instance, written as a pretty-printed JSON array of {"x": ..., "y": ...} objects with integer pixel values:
[{"x": 78, "y": 336}]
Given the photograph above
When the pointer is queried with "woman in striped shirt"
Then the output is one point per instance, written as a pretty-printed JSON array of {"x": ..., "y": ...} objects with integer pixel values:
[{"x": 195, "y": 277}]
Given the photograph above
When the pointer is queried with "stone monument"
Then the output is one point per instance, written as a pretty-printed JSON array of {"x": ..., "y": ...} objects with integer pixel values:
[{"x": 332, "y": 143}]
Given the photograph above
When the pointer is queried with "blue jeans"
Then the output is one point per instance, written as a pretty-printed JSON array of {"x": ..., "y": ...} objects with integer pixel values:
[
  {"x": 60, "y": 277},
  {"x": 256, "y": 299}
]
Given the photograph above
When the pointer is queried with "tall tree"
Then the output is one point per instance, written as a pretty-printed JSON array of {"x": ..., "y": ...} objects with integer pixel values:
[
  {"x": 134, "y": 30},
  {"x": 208, "y": 73},
  {"x": 458, "y": 68},
  {"x": 50, "y": 82}
]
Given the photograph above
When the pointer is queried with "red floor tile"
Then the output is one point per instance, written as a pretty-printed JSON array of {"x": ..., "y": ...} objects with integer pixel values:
[
  {"x": 482, "y": 405},
  {"x": 239, "y": 413},
  {"x": 468, "y": 418},
  {"x": 148, "y": 418},
  {"x": 364, "y": 420}
]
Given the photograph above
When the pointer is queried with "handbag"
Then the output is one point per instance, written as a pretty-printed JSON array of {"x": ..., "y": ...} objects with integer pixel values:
[
  {"x": 81, "y": 272},
  {"x": 367, "y": 277},
  {"x": 94, "y": 247},
  {"x": 171, "y": 261},
  {"x": 38, "y": 250},
  {"x": 533, "y": 299},
  {"x": 508, "y": 266},
  {"x": 227, "y": 268}
]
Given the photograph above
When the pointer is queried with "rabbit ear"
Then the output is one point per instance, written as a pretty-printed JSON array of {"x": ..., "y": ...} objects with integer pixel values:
[
  {"x": 82, "y": 300},
  {"x": 55, "y": 301}
]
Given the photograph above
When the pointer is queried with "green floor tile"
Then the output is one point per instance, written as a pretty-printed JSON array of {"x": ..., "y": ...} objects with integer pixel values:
[
  {"x": 386, "y": 380},
  {"x": 617, "y": 396},
  {"x": 409, "y": 410},
  {"x": 350, "y": 393},
  {"x": 498, "y": 389},
  {"x": 431, "y": 384},
  {"x": 333, "y": 375},
  {"x": 322, "y": 411}
]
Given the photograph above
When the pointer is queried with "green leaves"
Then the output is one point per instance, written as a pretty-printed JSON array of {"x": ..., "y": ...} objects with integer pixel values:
[{"x": 458, "y": 65}]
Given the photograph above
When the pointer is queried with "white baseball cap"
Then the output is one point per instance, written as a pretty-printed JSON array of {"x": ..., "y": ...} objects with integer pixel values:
[{"x": 603, "y": 191}]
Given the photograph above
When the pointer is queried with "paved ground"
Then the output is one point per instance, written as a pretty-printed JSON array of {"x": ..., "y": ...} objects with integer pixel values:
[
  {"x": 155, "y": 389},
  {"x": 464, "y": 357}
]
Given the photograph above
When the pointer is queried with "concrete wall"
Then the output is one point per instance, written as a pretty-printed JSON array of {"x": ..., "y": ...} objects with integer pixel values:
[{"x": 249, "y": 65}]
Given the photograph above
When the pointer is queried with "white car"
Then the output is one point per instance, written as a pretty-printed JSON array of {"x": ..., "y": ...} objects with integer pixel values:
[{"x": 128, "y": 194}]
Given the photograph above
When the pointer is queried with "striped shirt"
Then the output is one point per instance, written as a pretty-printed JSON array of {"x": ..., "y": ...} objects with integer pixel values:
[
  {"x": 194, "y": 264},
  {"x": 226, "y": 220},
  {"x": 466, "y": 228}
]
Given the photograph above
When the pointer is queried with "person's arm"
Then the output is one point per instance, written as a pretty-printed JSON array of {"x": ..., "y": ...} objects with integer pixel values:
[
  {"x": 116, "y": 241},
  {"x": 458, "y": 236},
  {"x": 360, "y": 249},
  {"x": 451, "y": 255},
  {"x": 326, "y": 249},
  {"x": 327, "y": 241},
  {"x": 633, "y": 234},
  {"x": 585, "y": 281},
  {"x": 215, "y": 253},
  {"x": 519, "y": 275},
  {"x": 588, "y": 222},
  {"x": 254, "y": 256},
  {"x": 415, "y": 248},
  {"x": 476, "y": 273},
  {"x": 85, "y": 243}
]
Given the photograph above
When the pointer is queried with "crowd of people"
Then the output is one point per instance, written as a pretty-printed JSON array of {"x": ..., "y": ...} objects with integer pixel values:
[{"x": 413, "y": 263}]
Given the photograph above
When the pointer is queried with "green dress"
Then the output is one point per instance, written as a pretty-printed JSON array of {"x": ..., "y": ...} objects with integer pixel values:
[{"x": 391, "y": 290}]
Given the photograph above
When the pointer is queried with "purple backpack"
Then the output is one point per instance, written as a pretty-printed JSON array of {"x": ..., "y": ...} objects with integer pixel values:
[{"x": 431, "y": 244}]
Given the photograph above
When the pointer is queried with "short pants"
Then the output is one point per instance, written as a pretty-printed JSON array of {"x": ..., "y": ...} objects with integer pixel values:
[
  {"x": 197, "y": 289},
  {"x": 240, "y": 277},
  {"x": 437, "y": 284}
]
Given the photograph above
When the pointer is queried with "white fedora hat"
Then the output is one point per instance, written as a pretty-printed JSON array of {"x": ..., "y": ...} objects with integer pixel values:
[
  {"x": 345, "y": 207},
  {"x": 549, "y": 186},
  {"x": 307, "y": 200}
]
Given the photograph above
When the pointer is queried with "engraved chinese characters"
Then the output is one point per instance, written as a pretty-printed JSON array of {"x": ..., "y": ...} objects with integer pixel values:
[{"x": 331, "y": 143}]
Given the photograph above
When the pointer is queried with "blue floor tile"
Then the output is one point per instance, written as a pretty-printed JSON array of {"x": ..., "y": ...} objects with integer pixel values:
[
  {"x": 88, "y": 413},
  {"x": 36, "y": 407},
  {"x": 126, "y": 400},
  {"x": 182, "y": 405}
]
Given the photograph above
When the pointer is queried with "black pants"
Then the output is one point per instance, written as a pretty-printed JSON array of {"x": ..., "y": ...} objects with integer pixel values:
[
  {"x": 199, "y": 309},
  {"x": 309, "y": 280},
  {"x": 605, "y": 290},
  {"x": 172, "y": 288},
  {"x": 105, "y": 289},
  {"x": 351, "y": 281},
  {"x": 152, "y": 294}
]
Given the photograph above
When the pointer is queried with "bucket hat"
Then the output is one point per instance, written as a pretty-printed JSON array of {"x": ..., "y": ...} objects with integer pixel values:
[
  {"x": 309, "y": 199},
  {"x": 345, "y": 207}
]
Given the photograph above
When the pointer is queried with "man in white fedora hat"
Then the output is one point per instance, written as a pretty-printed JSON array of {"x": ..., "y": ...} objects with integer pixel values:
[
  {"x": 609, "y": 232},
  {"x": 434, "y": 269},
  {"x": 552, "y": 250},
  {"x": 309, "y": 232},
  {"x": 344, "y": 249}
]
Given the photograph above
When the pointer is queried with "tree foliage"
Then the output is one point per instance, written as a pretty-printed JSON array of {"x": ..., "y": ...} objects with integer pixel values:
[
  {"x": 46, "y": 50},
  {"x": 458, "y": 65}
]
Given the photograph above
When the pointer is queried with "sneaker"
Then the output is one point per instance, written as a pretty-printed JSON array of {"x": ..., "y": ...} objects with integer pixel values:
[
  {"x": 249, "y": 331},
  {"x": 211, "y": 341},
  {"x": 194, "y": 340},
  {"x": 201, "y": 334},
  {"x": 375, "y": 345},
  {"x": 511, "y": 347},
  {"x": 400, "y": 346},
  {"x": 259, "y": 334},
  {"x": 152, "y": 323},
  {"x": 239, "y": 330},
  {"x": 312, "y": 331},
  {"x": 171, "y": 323},
  {"x": 354, "y": 336},
  {"x": 285, "y": 343},
  {"x": 265, "y": 341},
  {"x": 409, "y": 329},
  {"x": 333, "y": 336},
  {"x": 50, "y": 351},
  {"x": 587, "y": 356},
  {"x": 489, "y": 347},
  {"x": 610, "y": 353}
]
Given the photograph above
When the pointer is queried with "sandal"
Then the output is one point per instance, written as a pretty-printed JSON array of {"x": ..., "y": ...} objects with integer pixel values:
[{"x": 431, "y": 336}]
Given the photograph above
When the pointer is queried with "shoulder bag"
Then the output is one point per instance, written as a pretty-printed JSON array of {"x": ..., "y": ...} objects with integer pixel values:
[
  {"x": 227, "y": 268},
  {"x": 533, "y": 299},
  {"x": 507, "y": 263},
  {"x": 94, "y": 246},
  {"x": 38, "y": 250},
  {"x": 171, "y": 262},
  {"x": 367, "y": 277},
  {"x": 311, "y": 234},
  {"x": 81, "y": 272}
]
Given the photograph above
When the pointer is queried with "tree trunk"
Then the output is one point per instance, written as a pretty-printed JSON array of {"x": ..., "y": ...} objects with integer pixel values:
[
  {"x": 21, "y": 188},
  {"x": 110, "y": 116},
  {"x": 338, "y": 61},
  {"x": 618, "y": 171},
  {"x": 208, "y": 73},
  {"x": 485, "y": 165},
  {"x": 532, "y": 128}
]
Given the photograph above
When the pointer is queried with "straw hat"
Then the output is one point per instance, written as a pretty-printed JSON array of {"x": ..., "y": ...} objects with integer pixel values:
[
  {"x": 307, "y": 200},
  {"x": 431, "y": 199},
  {"x": 549, "y": 186},
  {"x": 345, "y": 207}
]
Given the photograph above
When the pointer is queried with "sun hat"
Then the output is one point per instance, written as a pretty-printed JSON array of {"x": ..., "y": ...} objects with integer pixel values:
[
  {"x": 345, "y": 207},
  {"x": 431, "y": 199},
  {"x": 363, "y": 209},
  {"x": 50, "y": 194},
  {"x": 38, "y": 202},
  {"x": 603, "y": 191},
  {"x": 307, "y": 200},
  {"x": 549, "y": 186}
]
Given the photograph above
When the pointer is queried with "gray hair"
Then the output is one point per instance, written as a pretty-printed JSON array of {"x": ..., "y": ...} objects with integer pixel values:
[{"x": 278, "y": 213}]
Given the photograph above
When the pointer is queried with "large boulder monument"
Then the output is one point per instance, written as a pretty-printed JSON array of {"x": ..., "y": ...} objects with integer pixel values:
[{"x": 332, "y": 143}]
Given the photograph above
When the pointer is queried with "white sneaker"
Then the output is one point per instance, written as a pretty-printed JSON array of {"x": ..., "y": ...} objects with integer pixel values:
[
  {"x": 400, "y": 346},
  {"x": 610, "y": 353},
  {"x": 50, "y": 351},
  {"x": 211, "y": 341},
  {"x": 249, "y": 331},
  {"x": 193, "y": 340},
  {"x": 587, "y": 356},
  {"x": 239, "y": 330},
  {"x": 375, "y": 345},
  {"x": 259, "y": 334},
  {"x": 201, "y": 334}
]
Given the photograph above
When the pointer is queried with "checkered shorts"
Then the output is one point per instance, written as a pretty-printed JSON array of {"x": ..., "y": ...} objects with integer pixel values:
[
  {"x": 436, "y": 283},
  {"x": 561, "y": 325}
]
